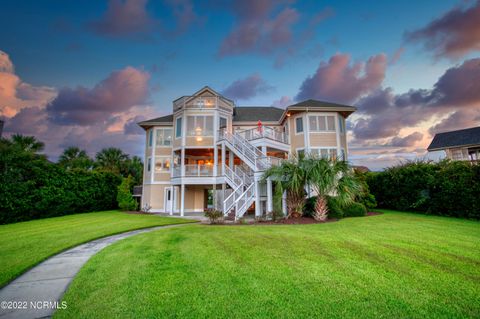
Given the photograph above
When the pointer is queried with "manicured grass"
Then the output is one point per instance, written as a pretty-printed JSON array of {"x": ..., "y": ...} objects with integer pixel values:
[
  {"x": 23, "y": 245},
  {"x": 396, "y": 265}
]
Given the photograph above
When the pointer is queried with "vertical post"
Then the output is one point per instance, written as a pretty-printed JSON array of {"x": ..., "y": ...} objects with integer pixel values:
[
  {"x": 258, "y": 210},
  {"x": 172, "y": 198},
  {"x": 284, "y": 203},
  {"x": 214, "y": 197},
  {"x": 182, "y": 161},
  {"x": 269, "y": 195},
  {"x": 182, "y": 200},
  {"x": 337, "y": 133},
  {"x": 264, "y": 149},
  {"x": 230, "y": 161},
  {"x": 215, "y": 160},
  {"x": 223, "y": 158}
]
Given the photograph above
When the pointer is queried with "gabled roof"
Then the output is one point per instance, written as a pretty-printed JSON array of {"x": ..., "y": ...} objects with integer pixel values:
[
  {"x": 255, "y": 113},
  {"x": 469, "y": 136}
]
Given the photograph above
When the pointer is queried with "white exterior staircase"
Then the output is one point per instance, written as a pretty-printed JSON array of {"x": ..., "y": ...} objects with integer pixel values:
[{"x": 241, "y": 180}]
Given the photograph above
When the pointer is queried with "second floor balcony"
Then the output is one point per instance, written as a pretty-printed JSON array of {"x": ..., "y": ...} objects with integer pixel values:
[{"x": 266, "y": 132}]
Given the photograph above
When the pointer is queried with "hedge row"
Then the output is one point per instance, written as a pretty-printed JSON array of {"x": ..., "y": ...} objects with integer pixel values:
[
  {"x": 447, "y": 188},
  {"x": 31, "y": 188}
]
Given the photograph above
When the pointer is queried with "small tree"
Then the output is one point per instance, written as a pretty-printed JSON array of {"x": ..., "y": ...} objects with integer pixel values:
[{"x": 124, "y": 196}]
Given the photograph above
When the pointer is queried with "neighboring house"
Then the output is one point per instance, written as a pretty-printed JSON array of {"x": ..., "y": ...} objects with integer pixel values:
[
  {"x": 211, "y": 153},
  {"x": 461, "y": 145}
]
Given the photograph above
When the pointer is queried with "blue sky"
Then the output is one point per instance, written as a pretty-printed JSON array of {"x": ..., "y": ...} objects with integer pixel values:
[{"x": 57, "y": 44}]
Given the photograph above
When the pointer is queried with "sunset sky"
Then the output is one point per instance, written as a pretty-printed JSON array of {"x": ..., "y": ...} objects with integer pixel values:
[{"x": 82, "y": 73}]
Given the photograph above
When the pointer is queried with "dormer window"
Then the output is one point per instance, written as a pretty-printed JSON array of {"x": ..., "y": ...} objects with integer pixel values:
[{"x": 201, "y": 103}]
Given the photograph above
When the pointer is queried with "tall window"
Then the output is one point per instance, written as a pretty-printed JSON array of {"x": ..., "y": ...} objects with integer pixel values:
[
  {"x": 199, "y": 125},
  {"x": 149, "y": 164},
  {"x": 341, "y": 124},
  {"x": 321, "y": 123},
  {"x": 299, "y": 124},
  {"x": 162, "y": 164},
  {"x": 164, "y": 137},
  {"x": 178, "y": 127},
  {"x": 223, "y": 123},
  {"x": 150, "y": 138}
]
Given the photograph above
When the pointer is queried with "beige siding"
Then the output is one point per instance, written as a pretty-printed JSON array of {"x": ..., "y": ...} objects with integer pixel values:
[
  {"x": 153, "y": 195},
  {"x": 162, "y": 177},
  {"x": 323, "y": 139},
  {"x": 194, "y": 199},
  {"x": 296, "y": 140},
  {"x": 205, "y": 141},
  {"x": 163, "y": 151}
]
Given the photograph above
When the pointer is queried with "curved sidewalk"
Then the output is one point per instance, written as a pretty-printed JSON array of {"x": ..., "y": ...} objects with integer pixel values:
[{"x": 40, "y": 289}]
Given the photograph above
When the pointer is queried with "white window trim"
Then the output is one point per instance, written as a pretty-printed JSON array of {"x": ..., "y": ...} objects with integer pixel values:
[
  {"x": 326, "y": 124},
  {"x": 303, "y": 125},
  {"x": 157, "y": 145}
]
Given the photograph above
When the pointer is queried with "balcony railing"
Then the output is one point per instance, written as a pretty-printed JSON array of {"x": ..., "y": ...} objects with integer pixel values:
[
  {"x": 264, "y": 132},
  {"x": 196, "y": 170}
]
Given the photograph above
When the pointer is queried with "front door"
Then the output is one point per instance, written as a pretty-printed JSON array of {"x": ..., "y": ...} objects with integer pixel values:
[{"x": 168, "y": 200}]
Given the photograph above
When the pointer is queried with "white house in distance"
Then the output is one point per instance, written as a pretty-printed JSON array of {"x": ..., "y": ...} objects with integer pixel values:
[
  {"x": 210, "y": 153},
  {"x": 460, "y": 145}
]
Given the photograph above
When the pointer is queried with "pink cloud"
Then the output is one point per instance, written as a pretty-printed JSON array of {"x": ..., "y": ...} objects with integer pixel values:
[
  {"x": 340, "y": 81},
  {"x": 453, "y": 35},
  {"x": 246, "y": 88},
  {"x": 119, "y": 92},
  {"x": 283, "y": 102}
]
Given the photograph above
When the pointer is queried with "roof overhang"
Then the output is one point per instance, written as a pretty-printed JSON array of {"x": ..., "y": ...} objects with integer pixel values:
[
  {"x": 147, "y": 125},
  {"x": 453, "y": 146},
  {"x": 344, "y": 110}
]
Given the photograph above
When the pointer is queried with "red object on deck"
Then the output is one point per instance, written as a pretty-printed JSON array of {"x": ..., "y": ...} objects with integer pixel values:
[{"x": 260, "y": 126}]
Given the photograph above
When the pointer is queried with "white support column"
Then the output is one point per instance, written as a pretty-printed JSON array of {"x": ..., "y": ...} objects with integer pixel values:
[
  {"x": 214, "y": 198},
  {"x": 152, "y": 161},
  {"x": 172, "y": 199},
  {"x": 284, "y": 203},
  {"x": 337, "y": 132},
  {"x": 269, "y": 196},
  {"x": 215, "y": 139},
  {"x": 264, "y": 149},
  {"x": 182, "y": 200},
  {"x": 182, "y": 161},
  {"x": 215, "y": 160},
  {"x": 258, "y": 208},
  {"x": 224, "y": 154},
  {"x": 230, "y": 163}
]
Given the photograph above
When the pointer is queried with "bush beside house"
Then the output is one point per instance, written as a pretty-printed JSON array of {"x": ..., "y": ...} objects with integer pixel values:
[{"x": 447, "y": 188}]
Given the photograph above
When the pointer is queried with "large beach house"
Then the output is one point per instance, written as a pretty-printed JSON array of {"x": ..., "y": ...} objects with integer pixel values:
[{"x": 210, "y": 153}]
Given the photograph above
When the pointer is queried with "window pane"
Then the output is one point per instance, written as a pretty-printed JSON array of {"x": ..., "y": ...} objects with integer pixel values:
[
  {"x": 333, "y": 153},
  {"x": 167, "y": 137},
  {"x": 208, "y": 128},
  {"x": 331, "y": 123},
  {"x": 178, "y": 131},
  {"x": 312, "y": 121},
  {"x": 340, "y": 123},
  {"x": 321, "y": 123},
  {"x": 149, "y": 164},
  {"x": 299, "y": 124},
  {"x": 150, "y": 138},
  {"x": 324, "y": 153},
  {"x": 223, "y": 122}
]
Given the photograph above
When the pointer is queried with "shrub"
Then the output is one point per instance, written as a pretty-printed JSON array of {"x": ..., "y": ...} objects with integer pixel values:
[
  {"x": 214, "y": 216},
  {"x": 355, "y": 210},
  {"x": 124, "y": 196},
  {"x": 309, "y": 207},
  {"x": 448, "y": 188},
  {"x": 334, "y": 208},
  {"x": 275, "y": 215}
]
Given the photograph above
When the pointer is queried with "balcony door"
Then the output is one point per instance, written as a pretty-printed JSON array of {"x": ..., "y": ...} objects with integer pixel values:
[{"x": 169, "y": 198}]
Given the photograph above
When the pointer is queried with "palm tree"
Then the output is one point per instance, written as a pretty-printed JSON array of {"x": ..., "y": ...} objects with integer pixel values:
[
  {"x": 330, "y": 178},
  {"x": 111, "y": 159},
  {"x": 134, "y": 167},
  {"x": 290, "y": 176},
  {"x": 27, "y": 143},
  {"x": 73, "y": 157}
]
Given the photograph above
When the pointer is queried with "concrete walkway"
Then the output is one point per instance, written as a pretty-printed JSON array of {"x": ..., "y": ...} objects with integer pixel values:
[{"x": 40, "y": 289}]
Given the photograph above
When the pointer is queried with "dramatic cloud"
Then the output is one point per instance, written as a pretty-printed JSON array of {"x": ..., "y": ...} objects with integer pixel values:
[
  {"x": 283, "y": 102},
  {"x": 256, "y": 30},
  {"x": 340, "y": 81},
  {"x": 129, "y": 17},
  {"x": 119, "y": 92},
  {"x": 407, "y": 141},
  {"x": 16, "y": 94},
  {"x": 452, "y": 103},
  {"x": 244, "y": 89},
  {"x": 453, "y": 35}
]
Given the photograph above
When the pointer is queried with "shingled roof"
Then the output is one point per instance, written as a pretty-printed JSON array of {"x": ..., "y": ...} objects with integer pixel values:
[
  {"x": 255, "y": 113},
  {"x": 469, "y": 136},
  {"x": 316, "y": 103},
  {"x": 163, "y": 119}
]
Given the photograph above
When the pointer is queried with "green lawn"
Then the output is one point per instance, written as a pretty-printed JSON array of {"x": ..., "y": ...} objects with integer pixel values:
[
  {"x": 396, "y": 265},
  {"x": 23, "y": 245}
]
